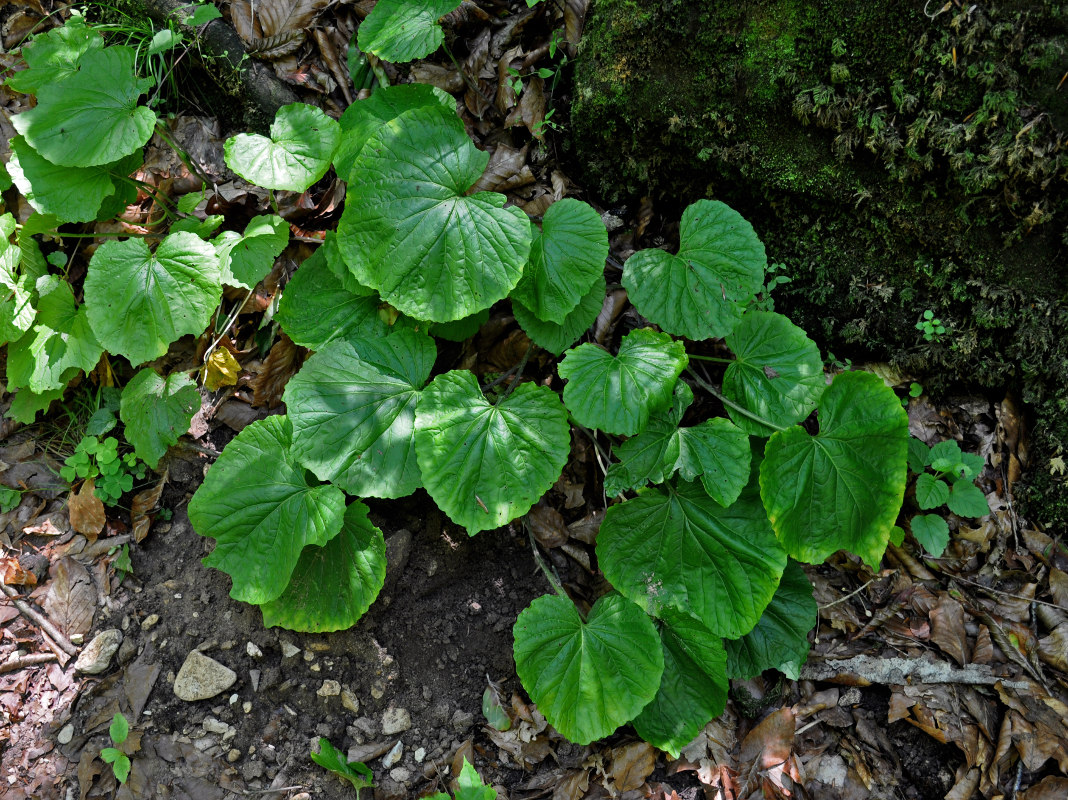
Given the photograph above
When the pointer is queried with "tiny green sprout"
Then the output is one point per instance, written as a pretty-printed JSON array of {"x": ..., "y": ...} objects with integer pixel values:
[
  {"x": 355, "y": 772},
  {"x": 931, "y": 327},
  {"x": 120, "y": 762},
  {"x": 915, "y": 389}
]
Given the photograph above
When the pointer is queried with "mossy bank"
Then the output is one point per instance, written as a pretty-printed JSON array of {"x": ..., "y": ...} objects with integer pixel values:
[{"x": 894, "y": 159}]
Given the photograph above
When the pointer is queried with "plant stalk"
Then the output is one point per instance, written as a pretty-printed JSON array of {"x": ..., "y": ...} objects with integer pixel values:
[{"x": 745, "y": 412}]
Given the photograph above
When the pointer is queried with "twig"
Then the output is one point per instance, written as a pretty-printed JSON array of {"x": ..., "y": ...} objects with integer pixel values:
[
  {"x": 14, "y": 664},
  {"x": 708, "y": 387},
  {"x": 40, "y": 621},
  {"x": 554, "y": 581},
  {"x": 1007, "y": 594},
  {"x": 856, "y": 591},
  {"x": 895, "y": 671}
]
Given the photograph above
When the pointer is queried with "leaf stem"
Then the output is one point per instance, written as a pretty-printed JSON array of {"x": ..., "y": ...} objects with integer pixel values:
[
  {"x": 516, "y": 372},
  {"x": 548, "y": 571},
  {"x": 745, "y": 412},
  {"x": 712, "y": 358},
  {"x": 182, "y": 154}
]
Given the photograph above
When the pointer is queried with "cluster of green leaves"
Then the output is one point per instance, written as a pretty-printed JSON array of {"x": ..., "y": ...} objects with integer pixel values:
[
  {"x": 945, "y": 476},
  {"x": 100, "y": 460},
  {"x": 120, "y": 762}
]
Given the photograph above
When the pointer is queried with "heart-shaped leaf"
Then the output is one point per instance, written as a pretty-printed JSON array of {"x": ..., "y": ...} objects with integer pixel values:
[
  {"x": 930, "y": 491},
  {"x": 297, "y": 154},
  {"x": 485, "y": 464},
  {"x": 259, "y": 507},
  {"x": 932, "y": 532},
  {"x": 53, "y": 56},
  {"x": 840, "y": 489},
  {"x": 588, "y": 678},
  {"x": 404, "y": 30},
  {"x": 967, "y": 500},
  {"x": 556, "y": 338},
  {"x": 157, "y": 411},
  {"x": 245, "y": 259}
]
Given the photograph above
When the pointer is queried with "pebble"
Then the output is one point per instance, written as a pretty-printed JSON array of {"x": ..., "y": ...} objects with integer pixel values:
[
  {"x": 329, "y": 689},
  {"x": 462, "y": 720},
  {"x": 400, "y": 774},
  {"x": 254, "y": 677},
  {"x": 149, "y": 622},
  {"x": 233, "y": 755},
  {"x": 253, "y": 651},
  {"x": 202, "y": 677},
  {"x": 419, "y": 755},
  {"x": 66, "y": 734},
  {"x": 289, "y": 649},
  {"x": 246, "y": 707},
  {"x": 212, "y": 725},
  {"x": 350, "y": 700},
  {"x": 395, "y": 720},
  {"x": 393, "y": 756},
  {"x": 96, "y": 656},
  {"x": 398, "y": 549},
  {"x": 204, "y": 743},
  {"x": 378, "y": 690}
]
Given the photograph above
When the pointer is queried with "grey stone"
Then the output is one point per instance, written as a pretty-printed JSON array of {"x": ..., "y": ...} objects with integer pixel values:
[
  {"x": 393, "y": 756},
  {"x": 212, "y": 725},
  {"x": 395, "y": 720},
  {"x": 96, "y": 656},
  {"x": 419, "y": 755},
  {"x": 253, "y": 651},
  {"x": 329, "y": 689},
  {"x": 254, "y": 677},
  {"x": 289, "y": 649},
  {"x": 398, "y": 548},
  {"x": 252, "y": 769},
  {"x": 400, "y": 774},
  {"x": 204, "y": 743},
  {"x": 66, "y": 734},
  {"x": 202, "y": 677},
  {"x": 462, "y": 720},
  {"x": 149, "y": 622}
]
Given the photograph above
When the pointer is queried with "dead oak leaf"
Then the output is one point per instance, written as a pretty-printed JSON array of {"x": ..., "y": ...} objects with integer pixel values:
[
  {"x": 87, "y": 511},
  {"x": 631, "y": 765},
  {"x": 11, "y": 574}
]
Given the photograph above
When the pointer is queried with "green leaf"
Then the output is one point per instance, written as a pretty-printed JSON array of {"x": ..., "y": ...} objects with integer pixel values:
[
  {"x": 164, "y": 40},
  {"x": 92, "y": 117},
  {"x": 932, "y": 532},
  {"x": 316, "y": 309},
  {"x": 31, "y": 260},
  {"x": 566, "y": 258},
  {"x": 355, "y": 772},
  {"x": 257, "y": 503},
  {"x": 411, "y": 231},
  {"x": 352, "y": 406},
  {"x": 485, "y": 464},
  {"x": 404, "y": 30},
  {"x": 469, "y": 785},
  {"x": 203, "y": 13},
  {"x": 675, "y": 547},
  {"x": 363, "y": 119},
  {"x": 333, "y": 585},
  {"x": 462, "y": 329},
  {"x": 245, "y": 259},
  {"x": 27, "y": 405},
  {"x": 492, "y": 710},
  {"x": 693, "y": 689},
  {"x": 53, "y": 56},
  {"x": 919, "y": 455},
  {"x": 967, "y": 500},
  {"x": 946, "y": 457},
  {"x": 557, "y": 338},
  {"x": 841, "y": 489},
  {"x": 619, "y": 394},
  {"x": 777, "y": 373},
  {"x": 120, "y": 762},
  {"x": 119, "y": 729},
  {"x": 588, "y": 678},
  {"x": 296, "y": 155},
  {"x": 157, "y": 411},
  {"x": 701, "y": 292},
  {"x": 61, "y": 341},
  {"x": 139, "y": 302},
  {"x": 930, "y": 491},
  {"x": 336, "y": 262},
  {"x": 780, "y": 639},
  {"x": 16, "y": 288},
  {"x": 973, "y": 465}
]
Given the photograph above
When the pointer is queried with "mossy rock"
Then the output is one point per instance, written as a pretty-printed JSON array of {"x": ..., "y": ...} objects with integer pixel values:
[{"x": 891, "y": 161}]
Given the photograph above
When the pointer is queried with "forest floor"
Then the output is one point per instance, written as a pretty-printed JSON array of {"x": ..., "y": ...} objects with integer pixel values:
[{"x": 928, "y": 678}]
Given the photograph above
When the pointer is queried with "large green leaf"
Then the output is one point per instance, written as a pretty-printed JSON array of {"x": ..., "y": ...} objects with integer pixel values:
[
  {"x": 693, "y": 689},
  {"x": 27, "y": 405},
  {"x": 361, "y": 120},
  {"x": 404, "y": 30},
  {"x": 245, "y": 259},
  {"x": 780, "y": 640},
  {"x": 840, "y": 489},
  {"x": 16, "y": 289},
  {"x": 334, "y": 584},
  {"x": 352, "y": 406},
  {"x": 702, "y": 292},
  {"x": 316, "y": 309},
  {"x": 53, "y": 56},
  {"x": 588, "y": 678},
  {"x": 157, "y": 411},
  {"x": 777, "y": 373},
  {"x": 618, "y": 394},
  {"x": 485, "y": 464},
  {"x": 566, "y": 258},
  {"x": 60, "y": 341},
  {"x": 259, "y": 507},
  {"x": 557, "y": 338},
  {"x": 336, "y": 263},
  {"x": 411, "y": 231},
  {"x": 139, "y": 302},
  {"x": 932, "y": 532},
  {"x": 674, "y": 546},
  {"x": 91, "y": 117},
  {"x": 297, "y": 154}
]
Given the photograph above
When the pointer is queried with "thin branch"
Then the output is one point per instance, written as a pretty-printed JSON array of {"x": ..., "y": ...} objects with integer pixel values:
[
  {"x": 708, "y": 387},
  {"x": 856, "y": 591},
  {"x": 40, "y": 620},
  {"x": 518, "y": 372},
  {"x": 31, "y": 660},
  {"x": 992, "y": 590}
]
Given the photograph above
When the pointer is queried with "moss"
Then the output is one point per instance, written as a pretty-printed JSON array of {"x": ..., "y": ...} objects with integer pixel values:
[{"x": 893, "y": 162}]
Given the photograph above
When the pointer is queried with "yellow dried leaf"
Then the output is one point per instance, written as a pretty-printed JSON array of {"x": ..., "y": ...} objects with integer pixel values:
[
  {"x": 221, "y": 369},
  {"x": 87, "y": 511}
]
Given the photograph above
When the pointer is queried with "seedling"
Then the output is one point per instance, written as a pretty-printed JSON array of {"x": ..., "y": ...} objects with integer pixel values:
[
  {"x": 945, "y": 476},
  {"x": 355, "y": 772},
  {"x": 931, "y": 327},
  {"x": 469, "y": 785},
  {"x": 114, "y": 474},
  {"x": 120, "y": 762}
]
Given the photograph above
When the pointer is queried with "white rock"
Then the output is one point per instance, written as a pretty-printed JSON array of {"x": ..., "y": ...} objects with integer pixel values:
[
  {"x": 419, "y": 755},
  {"x": 202, "y": 677},
  {"x": 329, "y": 689},
  {"x": 289, "y": 649},
  {"x": 66, "y": 734},
  {"x": 204, "y": 743},
  {"x": 350, "y": 701},
  {"x": 96, "y": 656},
  {"x": 395, "y": 720},
  {"x": 149, "y": 622},
  {"x": 393, "y": 756},
  {"x": 400, "y": 774},
  {"x": 246, "y": 707},
  {"x": 212, "y": 725},
  {"x": 253, "y": 651}
]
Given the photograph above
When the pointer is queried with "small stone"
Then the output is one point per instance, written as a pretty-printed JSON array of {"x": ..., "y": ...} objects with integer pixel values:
[
  {"x": 246, "y": 707},
  {"x": 212, "y": 725},
  {"x": 289, "y": 649},
  {"x": 427, "y": 694},
  {"x": 96, "y": 656},
  {"x": 309, "y": 656},
  {"x": 66, "y": 734},
  {"x": 254, "y": 677},
  {"x": 400, "y": 774},
  {"x": 395, "y": 720},
  {"x": 350, "y": 700},
  {"x": 202, "y": 677},
  {"x": 204, "y": 743},
  {"x": 253, "y": 651},
  {"x": 393, "y": 756},
  {"x": 419, "y": 755},
  {"x": 316, "y": 667},
  {"x": 233, "y": 698},
  {"x": 77, "y": 638},
  {"x": 329, "y": 689},
  {"x": 149, "y": 622},
  {"x": 378, "y": 690},
  {"x": 462, "y": 720},
  {"x": 233, "y": 755},
  {"x": 398, "y": 549},
  {"x": 251, "y": 770},
  {"x": 301, "y": 796}
]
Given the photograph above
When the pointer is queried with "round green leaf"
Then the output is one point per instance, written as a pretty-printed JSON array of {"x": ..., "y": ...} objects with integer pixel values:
[
  {"x": 967, "y": 500},
  {"x": 588, "y": 678},
  {"x": 485, "y": 464},
  {"x": 702, "y": 292},
  {"x": 693, "y": 689},
  {"x": 619, "y": 394},
  {"x": 157, "y": 411},
  {"x": 334, "y": 584},
  {"x": 139, "y": 302},
  {"x": 677, "y": 547},
  {"x": 932, "y": 532},
  {"x": 780, "y": 640},
  {"x": 245, "y": 259},
  {"x": 653, "y": 455},
  {"x": 259, "y": 507},
  {"x": 930, "y": 491},
  {"x": 410, "y": 230},
  {"x": 53, "y": 56},
  {"x": 316, "y": 309},
  {"x": 297, "y": 154},
  {"x": 566, "y": 258},
  {"x": 557, "y": 338},
  {"x": 777, "y": 374},
  {"x": 336, "y": 262},
  {"x": 404, "y": 30},
  {"x": 91, "y": 117},
  {"x": 352, "y": 406},
  {"x": 840, "y": 489}
]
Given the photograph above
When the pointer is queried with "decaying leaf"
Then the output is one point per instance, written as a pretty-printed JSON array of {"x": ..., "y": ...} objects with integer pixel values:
[
  {"x": 220, "y": 370},
  {"x": 272, "y": 48},
  {"x": 144, "y": 504},
  {"x": 71, "y": 599},
  {"x": 947, "y": 628},
  {"x": 11, "y": 574},
  {"x": 531, "y": 109},
  {"x": 87, "y": 511},
  {"x": 280, "y": 365},
  {"x": 547, "y": 525},
  {"x": 631, "y": 765},
  {"x": 507, "y": 170}
]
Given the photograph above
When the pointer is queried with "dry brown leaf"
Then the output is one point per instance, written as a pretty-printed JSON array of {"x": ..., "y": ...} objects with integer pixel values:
[
  {"x": 221, "y": 370},
  {"x": 572, "y": 786},
  {"x": 11, "y": 574},
  {"x": 505, "y": 99},
  {"x": 277, "y": 47},
  {"x": 332, "y": 59},
  {"x": 87, "y": 511},
  {"x": 89, "y": 768},
  {"x": 71, "y": 599},
  {"x": 1053, "y": 649},
  {"x": 144, "y": 504},
  {"x": 947, "y": 628},
  {"x": 1058, "y": 587},
  {"x": 448, "y": 79},
  {"x": 547, "y": 525},
  {"x": 531, "y": 109},
  {"x": 478, "y": 54},
  {"x": 1051, "y": 788},
  {"x": 631, "y": 765},
  {"x": 280, "y": 365},
  {"x": 464, "y": 751},
  {"x": 277, "y": 16},
  {"x": 507, "y": 170},
  {"x": 574, "y": 20}
]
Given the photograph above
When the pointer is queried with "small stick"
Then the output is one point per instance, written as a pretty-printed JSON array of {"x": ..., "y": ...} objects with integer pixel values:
[
  {"x": 30, "y": 660},
  {"x": 40, "y": 621},
  {"x": 856, "y": 591}
]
